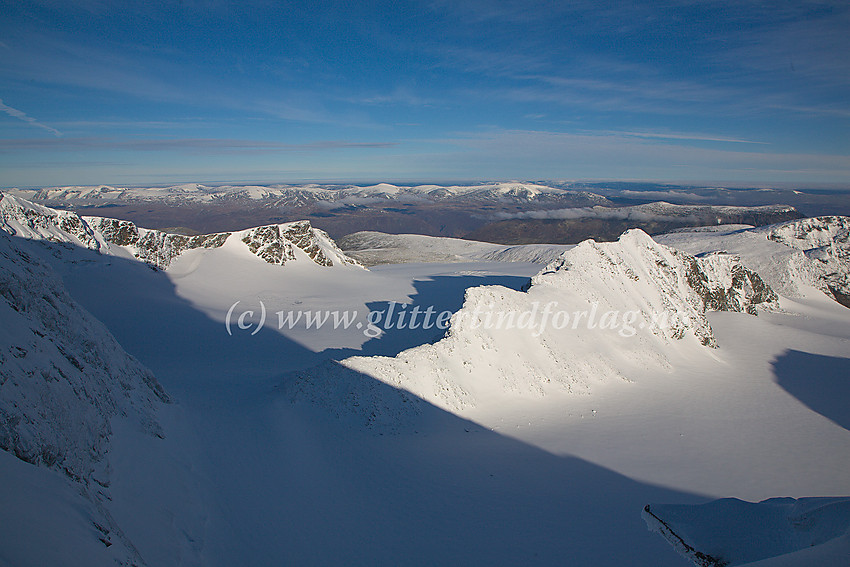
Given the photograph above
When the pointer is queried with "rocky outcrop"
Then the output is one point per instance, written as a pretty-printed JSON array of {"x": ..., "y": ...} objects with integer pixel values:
[
  {"x": 602, "y": 312},
  {"x": 303, "y": 236},
  {"x": 152, "y": 246},
  {"x": 826, "y": 242},
  {"x": 275, "y": 243},
  {"x": 675, "y": 286},
  {"x": 724, "y": 284}
]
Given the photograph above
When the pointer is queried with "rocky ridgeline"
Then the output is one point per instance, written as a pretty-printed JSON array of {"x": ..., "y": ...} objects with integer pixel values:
[
  {"x": 275, "y": 244},
  {"x": 615, "y": 311},
  {"x": 826, "y": 242},
  {"x": 663, "y": 280},
  {"x": 154, "y": 247}
]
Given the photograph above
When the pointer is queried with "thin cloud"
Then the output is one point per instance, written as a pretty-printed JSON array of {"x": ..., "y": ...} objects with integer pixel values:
[
  {"x": 20, "y": 115},
  {"x": 190, "y": 145},
  {"x": 681, "y": 136}
]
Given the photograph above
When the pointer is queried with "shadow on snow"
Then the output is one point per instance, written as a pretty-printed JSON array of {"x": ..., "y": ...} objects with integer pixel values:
[
  {"x": 295, "y": 484},
  {"x": 820, "y": 382}
]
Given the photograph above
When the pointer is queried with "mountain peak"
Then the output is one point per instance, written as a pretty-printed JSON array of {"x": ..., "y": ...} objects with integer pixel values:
[{"x": 276, "y": 244}]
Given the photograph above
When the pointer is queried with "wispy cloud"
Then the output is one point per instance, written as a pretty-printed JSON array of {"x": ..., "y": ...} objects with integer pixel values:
[
  {"x": 187, "y": 145},
  {"x": 21, "y": 115},
  {"x": 616, "y": 156},
  {"x": 683, "y": 136}
]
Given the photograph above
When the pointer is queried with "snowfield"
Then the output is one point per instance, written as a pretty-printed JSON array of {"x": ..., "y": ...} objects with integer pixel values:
[
  {"x": 374, "y": 248},
  {"x": 681, "y": 373}
]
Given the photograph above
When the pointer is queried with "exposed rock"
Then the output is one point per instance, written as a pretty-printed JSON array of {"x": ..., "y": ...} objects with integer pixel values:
[
  {"x": 826, "y": 242},
  {"x": 301, "y": 234},
  {"x": 602, "y": 312},
  {"x": 266, "y": 242},
  {"x": 273, "y": 243}
]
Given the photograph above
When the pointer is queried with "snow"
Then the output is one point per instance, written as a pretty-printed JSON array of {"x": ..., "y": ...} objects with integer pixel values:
[
  {"x": 484, "y": 446},
  {"x": 374, "y": 248},
  {"x": 797, "y": 258},
  {"x": 311, "y": 193},
  {"x": 275, "y": 244},
  {"x": 732, "y": 532}
]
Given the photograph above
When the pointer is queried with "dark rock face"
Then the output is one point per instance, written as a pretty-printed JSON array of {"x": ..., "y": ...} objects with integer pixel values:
[
  {"x": 266, "y": 242},
  {"x": 152, "y": 246},
  {"x": 301, "y": 234},
  {"x": 746, "y": 291},
  {"x": 122, "y": 233}
]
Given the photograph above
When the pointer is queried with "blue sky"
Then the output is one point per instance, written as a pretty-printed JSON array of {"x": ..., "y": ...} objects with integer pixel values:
[{"x": 158, "y": 92}]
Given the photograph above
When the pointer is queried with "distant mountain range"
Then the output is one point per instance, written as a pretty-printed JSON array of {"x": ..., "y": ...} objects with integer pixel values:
[
  {"x": 504, "y": 213},
  {"x": 301, "y": 195},
  {"x": 571, "y": 226}
]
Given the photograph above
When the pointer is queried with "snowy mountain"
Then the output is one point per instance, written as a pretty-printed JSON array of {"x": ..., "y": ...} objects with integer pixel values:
[
  {"x": 63, "y": 374},
  {"x": 826, "y": 242},
  {"x": 64, "y": 380},
  {"x": 276, "y": 244},
  {"x": 303, "y": 195},
  {"x": 796, "y": 258},
  {"x": 593, "y": 315},
  {"x": 373, "y": 248}
]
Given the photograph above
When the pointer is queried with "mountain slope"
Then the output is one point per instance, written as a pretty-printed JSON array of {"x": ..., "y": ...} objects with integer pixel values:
[
  {"x": 63, "y": 374},
  {"x": 797, "y": 258},
  {"x": 826, "y": 242},
  {"x": 276, "y": 244},
  {"x": 594, "y": 315},
  {"x": 729, "y": 532},
  {"x": 63, "y": 380}
]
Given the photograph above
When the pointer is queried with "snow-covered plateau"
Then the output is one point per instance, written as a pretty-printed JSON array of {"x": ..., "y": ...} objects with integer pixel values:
[{"x": 694, "y": 383}]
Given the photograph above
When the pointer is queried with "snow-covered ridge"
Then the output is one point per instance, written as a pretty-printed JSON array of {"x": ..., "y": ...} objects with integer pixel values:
[
  {"x": 826, "y": 242},
  {"x": 300, "y": 195},
  {"x": 795, "y": 257},
  {"x": 276, "y": 244},
  {"x": 63, "y": 376},
  {"x": 662, "y": 279},
  {"x": 612, "y": 308}
]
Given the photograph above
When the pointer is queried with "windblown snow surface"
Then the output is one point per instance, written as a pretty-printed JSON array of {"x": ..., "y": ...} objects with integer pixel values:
[{"x": 482, "y": 445}]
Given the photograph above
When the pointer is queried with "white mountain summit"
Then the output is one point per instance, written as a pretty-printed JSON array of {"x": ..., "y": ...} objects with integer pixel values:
[{"x": 593, "y": 315}]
